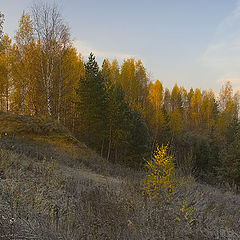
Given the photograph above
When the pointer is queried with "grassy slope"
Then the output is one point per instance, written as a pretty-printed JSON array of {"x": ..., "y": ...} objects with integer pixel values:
[{"x": 54, "y": 187}]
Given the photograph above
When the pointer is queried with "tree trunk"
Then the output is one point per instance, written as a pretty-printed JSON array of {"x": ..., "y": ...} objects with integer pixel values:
[
  {"x": 116, "y": 154},
  {"x": 49, "y": 102},
  {"x": 109, "y": 143},
  {"x": 23, "y": 97},
  {"x": 59, "y": 93},
  {"x": 7, "y": 99},
  {"x": 102, "y": 148}
]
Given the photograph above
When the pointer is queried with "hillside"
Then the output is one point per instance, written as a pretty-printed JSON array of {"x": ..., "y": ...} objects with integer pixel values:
[{"x": 54, "y": 187}]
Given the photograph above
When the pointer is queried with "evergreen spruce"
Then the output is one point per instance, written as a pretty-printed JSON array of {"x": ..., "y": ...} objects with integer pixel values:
[{"x": 92, "y": 104}]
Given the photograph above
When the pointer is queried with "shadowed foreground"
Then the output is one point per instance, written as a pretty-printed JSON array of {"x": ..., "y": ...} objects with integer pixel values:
[{"x": 54, "y": 187}]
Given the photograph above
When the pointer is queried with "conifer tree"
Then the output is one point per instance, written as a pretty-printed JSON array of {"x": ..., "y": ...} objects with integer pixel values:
[
  {"x": 230, "y": 155},
  {"x": 118, "y": 120},
  {"x": 92, "y": 103},
  {"x": 139, "y": 141}
]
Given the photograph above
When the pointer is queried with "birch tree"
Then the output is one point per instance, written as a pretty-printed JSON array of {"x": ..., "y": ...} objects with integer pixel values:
[
  {"x": 5, "y": 73},
  {"x": 1, "y": 26},
  {"x": 52, "y": 35}
]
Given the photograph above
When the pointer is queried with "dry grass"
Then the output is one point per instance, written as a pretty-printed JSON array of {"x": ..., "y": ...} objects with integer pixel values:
[
  {"x": 52, "y": 187},
  {"x": 42, "y": 200},
  {"x": 14, "y": 124}
]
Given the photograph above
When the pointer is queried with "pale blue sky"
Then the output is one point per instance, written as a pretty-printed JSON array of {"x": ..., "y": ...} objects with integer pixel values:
[{"x": 195, "y": 43}]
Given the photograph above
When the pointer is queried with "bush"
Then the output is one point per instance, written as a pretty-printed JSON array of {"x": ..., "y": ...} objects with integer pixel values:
[{"x": 159, "y": 183}]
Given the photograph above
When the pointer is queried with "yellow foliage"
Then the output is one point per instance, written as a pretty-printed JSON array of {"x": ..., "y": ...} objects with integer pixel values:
[
  {"x": 185, "y": 213},
  {"x": 175, "y": 122},
  {"x": 159, "y": 182},
  {"x": 156, "y": 94}
]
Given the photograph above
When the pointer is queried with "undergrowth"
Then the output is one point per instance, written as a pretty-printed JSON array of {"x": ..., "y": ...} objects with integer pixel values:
[
  {"x": 52, "y": 187},
  {"x": 44, "y": 200}
]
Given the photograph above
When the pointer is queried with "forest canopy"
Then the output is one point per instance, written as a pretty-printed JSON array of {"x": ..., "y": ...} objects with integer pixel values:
[{"x": 116, "y": 108}]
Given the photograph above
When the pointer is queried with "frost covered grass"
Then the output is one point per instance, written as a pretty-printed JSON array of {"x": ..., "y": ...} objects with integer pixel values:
[
  {"x": 53, "y": 187},
  {"x": 50, "y": 199}
]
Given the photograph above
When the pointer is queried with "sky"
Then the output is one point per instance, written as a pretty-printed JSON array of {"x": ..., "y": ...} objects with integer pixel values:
[{"x": 194, "y": 43}]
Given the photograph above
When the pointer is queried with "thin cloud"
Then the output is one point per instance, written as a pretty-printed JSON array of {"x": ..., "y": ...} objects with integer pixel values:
[
  {"x": 222, "y": 55},
  {"x": 85, "y": 49},
  {"x": 229, "y": 21}
]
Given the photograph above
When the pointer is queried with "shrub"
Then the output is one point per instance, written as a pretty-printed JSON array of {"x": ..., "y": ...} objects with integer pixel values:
[{"x": 159, "y": 182}]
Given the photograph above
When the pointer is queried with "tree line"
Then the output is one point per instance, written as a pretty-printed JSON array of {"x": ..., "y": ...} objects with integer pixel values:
[{"x": 116, "y": 108}]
